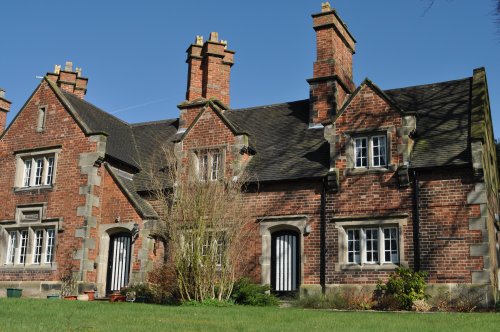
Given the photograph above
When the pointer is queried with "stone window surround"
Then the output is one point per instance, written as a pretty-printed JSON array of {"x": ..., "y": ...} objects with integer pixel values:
[
  {"x": 341, "y": 224},
  {"x": 7, "y": 226},
  {"x": 22, "y": 155},
  {"x": 350, "y": 136},
  {"x": 269, "y": 225},
  {"x": 220, "y": 148}
]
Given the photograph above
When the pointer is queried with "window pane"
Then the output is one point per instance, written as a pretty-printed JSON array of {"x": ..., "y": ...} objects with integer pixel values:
[
  {"x": 378, "y": 151},
  {"x": 353, "y": 245},
  {"x": 11, "y": 249},
  {"x": 391, "y": 253},
  {"x": 37, "y": 246},
  {"x": 203, "y": 166},
  {"x": 50, "y": 245},
  {"x": 216, "y": 161},
  {"x": 360, "y": 152},
  {"x": 23, "y": 245},
  {"x": 50, "y": 170},
  {"x": 27, "y": 173},
  {"x": 39, "y": 171},
  {"x": 372, "y": 245}
]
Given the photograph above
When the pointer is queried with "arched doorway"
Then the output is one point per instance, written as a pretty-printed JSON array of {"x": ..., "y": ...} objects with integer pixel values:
[
  {"x": 285, "y": 262},
  {"x": 119, "y": 256}
]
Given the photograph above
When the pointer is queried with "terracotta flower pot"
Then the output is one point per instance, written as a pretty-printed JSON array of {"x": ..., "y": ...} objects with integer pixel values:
[
  {"x": 117, "y": 298},
  {"x": 91, "y": 295},
  {"x": 71, "y": 297}
]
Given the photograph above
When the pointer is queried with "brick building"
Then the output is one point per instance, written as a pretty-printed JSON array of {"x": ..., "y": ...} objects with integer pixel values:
[{"x": 353, "y": 181}]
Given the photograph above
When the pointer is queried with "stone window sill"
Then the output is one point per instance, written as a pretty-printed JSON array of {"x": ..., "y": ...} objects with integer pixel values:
[
  {"x": 31, "y": 268},
  {"x": 37, "y": 188},
  {"x": 372, "y": 170},
  {"x": 369, "y": 267}
]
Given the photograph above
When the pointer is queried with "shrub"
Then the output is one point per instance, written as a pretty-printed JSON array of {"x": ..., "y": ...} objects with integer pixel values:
[
  {"x": 357, "y": 298},
  {"x": 467, "y": 299},
  {"x": 405, "y": 286},
  {"x": 421, "y": 306},
  {"x": 441, "y": 300},
  {"x": 162, "y": 285},
  {"x": 332, "y": 300},
  {"x": 247, "y": 293}
]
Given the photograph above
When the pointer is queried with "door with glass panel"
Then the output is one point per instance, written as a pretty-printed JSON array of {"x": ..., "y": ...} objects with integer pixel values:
[
  {"x": 285, "y": 262},
  {"x": 120, "y": 247}
]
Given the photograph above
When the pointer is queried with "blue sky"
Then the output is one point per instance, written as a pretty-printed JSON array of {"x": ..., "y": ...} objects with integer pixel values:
[{"x": 133, "y": 52}]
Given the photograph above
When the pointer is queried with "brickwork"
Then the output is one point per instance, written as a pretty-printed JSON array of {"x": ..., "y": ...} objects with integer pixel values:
[{"x": 63, "y": 198}]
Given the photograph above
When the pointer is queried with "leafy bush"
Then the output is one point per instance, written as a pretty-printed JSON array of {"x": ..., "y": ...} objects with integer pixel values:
[
  {"x": 405, "y": 285},
  {"x": 441, "y": 300},
  {"x": 247, "y": 293}
]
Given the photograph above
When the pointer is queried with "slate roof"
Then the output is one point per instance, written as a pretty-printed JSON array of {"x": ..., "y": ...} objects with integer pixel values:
[
  {"x": 286, "y": 148},
  {"x": 443, "y": 122},
  {"x": 120, "y": 143}
]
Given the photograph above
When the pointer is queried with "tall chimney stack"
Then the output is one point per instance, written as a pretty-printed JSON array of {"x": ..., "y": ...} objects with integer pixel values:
[
  {"x": 332, "y": 80},
  {"x": 4, "y": 109},
  {"x": 69, "y": 80},
  {"x": 209, "y": 69}
]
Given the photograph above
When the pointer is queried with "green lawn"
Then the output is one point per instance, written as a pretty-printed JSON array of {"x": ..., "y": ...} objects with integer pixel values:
[{"x": 58, "y": 315}]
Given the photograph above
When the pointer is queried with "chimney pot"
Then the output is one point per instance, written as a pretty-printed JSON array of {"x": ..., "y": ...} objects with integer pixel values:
[
  {"x": 225, "y": 43},
  {"x": 57, "y": 69},
  {"x": 2, "y": 93},
  {"x": 325, "y": 7},
  {"x": 199, "y": 40},
  {"x": 69, "y": 66},
  {"x": 78, "y": 72},
  {"x": 214, "y": 37}
]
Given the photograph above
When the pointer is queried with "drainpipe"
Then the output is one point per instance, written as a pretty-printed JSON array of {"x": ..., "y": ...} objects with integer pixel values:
[
  {"x": 322, "y": 276},
  {"x": 416, "y": 222}
]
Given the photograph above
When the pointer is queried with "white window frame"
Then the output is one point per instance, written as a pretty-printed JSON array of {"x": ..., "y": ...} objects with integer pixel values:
[
  {"x": 370, "y": 153},
  {"x": 345, "y": 227},
  {"x": 31, "y": 240},
  {"x": 36, "y": 169},
  {"x": 210, "y": 164},
  {"x": 361, "y": 258}
]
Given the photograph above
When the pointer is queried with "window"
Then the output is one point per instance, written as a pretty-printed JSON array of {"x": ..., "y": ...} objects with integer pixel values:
[
  {"x": 31, "y": 241},
  {"x": 364, "y": 247},
  {"x": 36, "y": 169},
  {"x": 370, "y": 151},
  {"x": 42, "y": 114},
  {"x": 214, "y": 247},
  {"x": 40, "y": 240},
  {"x": 210, "y": 165}
]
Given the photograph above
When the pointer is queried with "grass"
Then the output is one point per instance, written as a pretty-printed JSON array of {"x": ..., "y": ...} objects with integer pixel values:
[{"x": 59, "y": 315}]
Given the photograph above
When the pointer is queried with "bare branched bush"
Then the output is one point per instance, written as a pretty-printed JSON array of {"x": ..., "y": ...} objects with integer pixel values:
[{"x": 201, "y": 224}]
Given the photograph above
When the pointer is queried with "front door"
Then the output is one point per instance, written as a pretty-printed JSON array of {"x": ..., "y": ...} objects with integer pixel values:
[
  {"x": 120, "y": 246},
  {"x": 285, "y": 262}
]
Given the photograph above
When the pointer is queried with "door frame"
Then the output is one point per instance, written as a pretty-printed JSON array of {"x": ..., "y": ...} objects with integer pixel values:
[
  {"x": 297, "y": 254},
  {"x": 110, "y": 258}
]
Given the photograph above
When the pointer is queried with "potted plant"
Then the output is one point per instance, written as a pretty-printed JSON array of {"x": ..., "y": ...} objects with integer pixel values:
[
  {"x": 14, "y": 292},
  {"x": 68, "y": 282}
]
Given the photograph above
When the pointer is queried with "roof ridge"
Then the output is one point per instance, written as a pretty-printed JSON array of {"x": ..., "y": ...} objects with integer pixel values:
[
  {"x": 152, "y": 122},
  {"x": 267, "y": 106},
  {"x": 428, "y": 84},
  {"x": 96, "y": 107}
]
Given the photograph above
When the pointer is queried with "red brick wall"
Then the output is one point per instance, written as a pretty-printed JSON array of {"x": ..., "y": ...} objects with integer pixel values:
[
  {"x": 287, "y": 199},
  {"x": 444, "y": 213},
  {"x": 116, "y": 204},
  {"x": 64, "y": 198}
]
